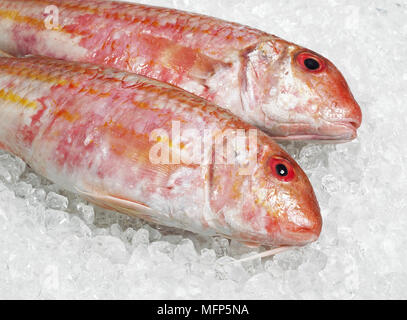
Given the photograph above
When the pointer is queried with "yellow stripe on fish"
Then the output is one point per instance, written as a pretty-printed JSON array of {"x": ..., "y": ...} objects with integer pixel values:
[
  {"x": 12, "y": 97},
  {"x": 15, "y": 16}
]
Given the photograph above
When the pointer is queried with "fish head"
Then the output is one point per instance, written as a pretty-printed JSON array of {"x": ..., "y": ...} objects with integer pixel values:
[
  {"x": 294, "y": 93},
  {"x": 282, "y": 190},
  {"x": 271, "y": 203}
]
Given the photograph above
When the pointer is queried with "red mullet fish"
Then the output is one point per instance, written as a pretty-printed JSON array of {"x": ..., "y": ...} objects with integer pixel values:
[
  {"x": 284, "y": 89},
  {"x": 95, "y": 130}
]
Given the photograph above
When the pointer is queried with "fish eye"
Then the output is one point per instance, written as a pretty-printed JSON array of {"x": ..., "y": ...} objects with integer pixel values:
[
  {"x": 281, "y": 169},
  {"x": 310, "y": 62}
]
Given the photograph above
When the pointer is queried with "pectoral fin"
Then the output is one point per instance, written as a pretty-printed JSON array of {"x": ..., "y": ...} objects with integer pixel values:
[
  {"x": 5, "y": 54},
  {"x": 115, "y": 203}
]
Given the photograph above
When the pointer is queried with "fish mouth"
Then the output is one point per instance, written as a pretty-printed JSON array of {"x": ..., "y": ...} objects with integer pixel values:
[
  {"x": 329, "y": 131},
  {"x": 299, "y": 238},
  {"x": 285, "y": 237},
  {"x": 294, "y": 235}
]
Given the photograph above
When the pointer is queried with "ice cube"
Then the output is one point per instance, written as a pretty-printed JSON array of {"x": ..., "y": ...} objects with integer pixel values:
[
  {"x": 32, "y": 179},
  {"x": 56, "y": 201},
  {"x": 185, "y": 251},
  {"x": 221, "y": 246},
  {"x": 290, "y": 259},
  {"x": 161, "y": 251},
  {"x": 154, "y": 234},
  {"x": 228, "y": 269},
  {"x": 79, "y": 227},
  {"x": 37, "y": 197},
  {"x": 274, "y": 268},
  {"x": 141, "y": 237},
  {"x": 111, "y": 248},
  {"x": 22, "y": 189},
  {"x": 11, "y": 167},
  {"x": 86, "y": 212},
  {"x": 55, "y": 218}
]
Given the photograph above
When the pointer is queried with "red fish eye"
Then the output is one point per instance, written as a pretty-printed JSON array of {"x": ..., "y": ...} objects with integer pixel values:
[
  {"x": 310, "y": 62},
  {"x": 281, "y": 169}
]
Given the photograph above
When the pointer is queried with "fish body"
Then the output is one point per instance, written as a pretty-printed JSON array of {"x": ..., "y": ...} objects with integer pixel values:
[
  {"x": 95, "y": 131},
  {"x": 284, "y": 89}
]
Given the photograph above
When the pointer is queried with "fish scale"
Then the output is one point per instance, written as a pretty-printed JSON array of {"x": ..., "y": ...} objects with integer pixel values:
[{"x": 91, "y": 129}]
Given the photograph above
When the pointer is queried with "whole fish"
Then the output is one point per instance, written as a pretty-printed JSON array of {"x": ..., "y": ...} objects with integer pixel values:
[
  {"x": 99, "y": 132},
  {"x": 286, "y": 90}
]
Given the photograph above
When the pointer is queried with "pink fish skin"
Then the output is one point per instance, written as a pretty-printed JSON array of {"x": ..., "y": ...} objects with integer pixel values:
[
  {"x": 286, "y": 90},
  {"x": 89, "y": 129}
]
